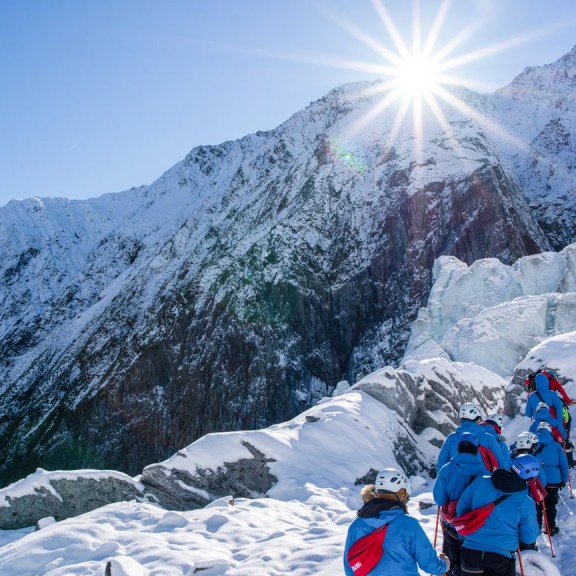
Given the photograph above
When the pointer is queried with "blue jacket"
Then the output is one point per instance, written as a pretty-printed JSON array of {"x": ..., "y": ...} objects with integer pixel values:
[
  {"x": 544, "y": 415},
  {"x": 506, "y": 459},
  {"x": 511, "y": 522},
  {"x": 455, "y": 476},
  {"x": 553, "y": 458},
  {"x": 544, "y": 395},
  {"x": 450, "y": 447},
  {"x": 406, "y": 546}
]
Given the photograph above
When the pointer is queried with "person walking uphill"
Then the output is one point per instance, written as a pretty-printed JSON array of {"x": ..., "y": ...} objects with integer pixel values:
[
  {"x": 542, "y": 393},
  {"x": 453, "y": 478},
  {"x": 406, "y": 547},
  {"x": 490, "y": 550},
  {"x": 553, "y": 459},
  {"x": 489, "y": 450},
  {"x": 493, "y": 425}
]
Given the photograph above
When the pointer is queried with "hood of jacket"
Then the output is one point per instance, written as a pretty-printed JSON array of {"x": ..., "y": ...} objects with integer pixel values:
[
  {"x": 544, "y": 437},
  {"x": 469, "y": 465},
  {"x": 373, "y": 508},
  {"x": 542, "y": 383}
]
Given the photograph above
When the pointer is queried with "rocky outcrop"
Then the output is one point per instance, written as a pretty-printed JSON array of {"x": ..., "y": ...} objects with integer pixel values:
[
  {"x": 62, "y": 495},
  {"x": 177, "y": 489}
]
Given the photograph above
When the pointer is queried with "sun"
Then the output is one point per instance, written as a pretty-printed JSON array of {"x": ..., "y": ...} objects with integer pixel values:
[{"x": 417, "y": 75}]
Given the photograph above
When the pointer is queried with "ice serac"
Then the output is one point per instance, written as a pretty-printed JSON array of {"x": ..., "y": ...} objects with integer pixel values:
[{"x": 249, "y": 279}]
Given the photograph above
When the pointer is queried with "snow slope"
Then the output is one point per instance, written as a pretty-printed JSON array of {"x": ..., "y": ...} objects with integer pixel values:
[{"x": 320, "y": 460}]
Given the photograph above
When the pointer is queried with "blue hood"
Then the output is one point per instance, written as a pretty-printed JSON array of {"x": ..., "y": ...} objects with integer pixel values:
[
  {"x": 542, "y": 383},
  {"x": 544, "y": 437},
  {"x": 469, "y": 465}
]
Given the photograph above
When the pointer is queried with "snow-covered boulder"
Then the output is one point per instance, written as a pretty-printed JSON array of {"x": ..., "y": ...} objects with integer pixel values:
[{"x": 63, "y": 495}]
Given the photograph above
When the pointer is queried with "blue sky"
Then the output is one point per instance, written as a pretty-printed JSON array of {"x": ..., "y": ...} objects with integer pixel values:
[{"x": 99, "y": 96}]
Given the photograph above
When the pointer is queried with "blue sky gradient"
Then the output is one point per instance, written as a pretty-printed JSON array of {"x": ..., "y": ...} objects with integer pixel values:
[{"x": 101, "y": 96}]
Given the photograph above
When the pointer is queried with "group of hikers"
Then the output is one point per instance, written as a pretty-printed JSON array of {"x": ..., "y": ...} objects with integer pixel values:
[{"x": 494, "y": 500}]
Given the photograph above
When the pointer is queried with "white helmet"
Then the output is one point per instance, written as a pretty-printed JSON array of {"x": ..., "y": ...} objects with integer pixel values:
[
  {"x": 526, "y": 441},
  {"x": 541, "y": 405},
  {"x": 496, "y": 418},
  {"x": 545, "y": 426},
  {"x": 391, "y": 480},
  {"x": 470, "y": 411}
]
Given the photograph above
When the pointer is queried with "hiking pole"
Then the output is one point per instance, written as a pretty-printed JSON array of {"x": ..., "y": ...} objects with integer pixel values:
[
  {"x": 520, "y": 561},
  {"x": 436, "y": 530},
  {"x": 544, "y": 513}
]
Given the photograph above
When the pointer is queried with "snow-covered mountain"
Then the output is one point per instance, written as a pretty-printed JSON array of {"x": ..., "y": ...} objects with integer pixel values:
[
  {"x": 279, "y": 500},
  {"x": 253, "y": 276}
]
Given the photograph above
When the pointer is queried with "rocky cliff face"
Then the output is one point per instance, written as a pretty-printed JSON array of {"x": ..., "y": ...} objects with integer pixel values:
[
  {"x": 245, "y": 282},
  {"x": 537, "y": 108}
]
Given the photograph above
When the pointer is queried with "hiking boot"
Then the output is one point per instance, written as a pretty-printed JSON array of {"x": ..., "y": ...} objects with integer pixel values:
[{"x": 554, "y": 531}]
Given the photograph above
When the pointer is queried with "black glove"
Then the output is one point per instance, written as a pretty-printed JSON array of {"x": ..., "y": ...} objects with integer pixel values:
[
  {"x": 562, "y": 485},
  {"x": 525, "y": 546}
]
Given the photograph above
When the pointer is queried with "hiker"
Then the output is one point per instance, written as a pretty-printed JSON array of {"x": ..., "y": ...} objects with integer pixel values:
[
  {"x": 452, "y": 480},
  {"x": 554, "y": 460},
  {"x": 543, "y": 414},
  {"x": 553, "y": 381},
  {"x": 542, "y": 393},
  {"x": 526, "y": 443},
  {"x": 493, "y": 424},
  {"x": 491, "y": 549},
  {"x": 405, "y": 546},
  {"x": 488, "y": 449}
]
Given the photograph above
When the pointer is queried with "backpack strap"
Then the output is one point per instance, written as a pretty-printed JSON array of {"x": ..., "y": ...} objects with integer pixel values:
[{"x": 500, "y": 499}]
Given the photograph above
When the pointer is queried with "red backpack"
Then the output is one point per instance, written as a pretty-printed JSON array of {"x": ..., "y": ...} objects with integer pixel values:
[
  {"x": 366, "y": 552},
  {"x": 448, "y": 511},
  {"x": 537, "y": 490},
  {"x": 489, "y": 459},
  {"x": 473, "y": 520}
]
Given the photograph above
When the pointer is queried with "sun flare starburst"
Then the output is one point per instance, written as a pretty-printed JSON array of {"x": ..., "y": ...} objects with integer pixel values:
[{"x": 418, "y": 77}]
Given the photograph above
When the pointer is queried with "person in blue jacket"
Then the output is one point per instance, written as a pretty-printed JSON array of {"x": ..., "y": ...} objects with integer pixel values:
[
  {"x": 554, "y": 460},
  {"x": 543, "y": 414},
  {"x": 470, "y": 416},
  {"x": 543, "y": 394},
  {"x": 526, "y": 443},
  {"x": 512, "y": 524},
  {"x": 406, "y": 546},
  {"x": 493, "y": 424},
  {"x": 452, "y": 480}
]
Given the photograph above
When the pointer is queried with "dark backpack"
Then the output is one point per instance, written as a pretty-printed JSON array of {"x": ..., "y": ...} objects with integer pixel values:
[
  {"x": 366, "y": 552},
  {"x": 473, "y": 520}
]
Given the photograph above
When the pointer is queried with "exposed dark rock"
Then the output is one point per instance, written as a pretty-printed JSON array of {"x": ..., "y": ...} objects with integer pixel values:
[
  {"x": 65, "y": 498},
  {"x": 176, "y": 489}
]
